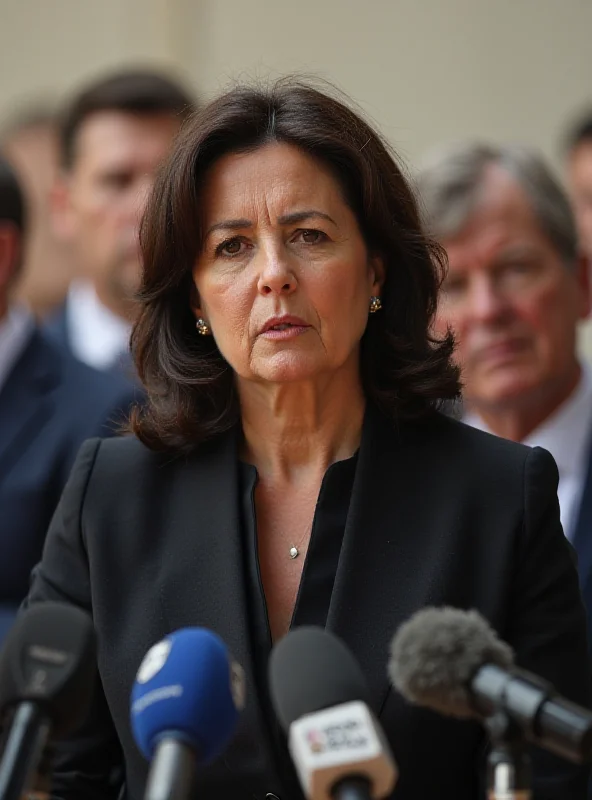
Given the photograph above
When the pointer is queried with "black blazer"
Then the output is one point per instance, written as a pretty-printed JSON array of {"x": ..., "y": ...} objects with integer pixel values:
[
  {"x": 49, "y": 404},
  {"x": 439, "y": 514}
]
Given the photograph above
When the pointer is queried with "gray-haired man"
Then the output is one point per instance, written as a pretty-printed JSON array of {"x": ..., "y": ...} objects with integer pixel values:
[{"x": 515, "y": 291}]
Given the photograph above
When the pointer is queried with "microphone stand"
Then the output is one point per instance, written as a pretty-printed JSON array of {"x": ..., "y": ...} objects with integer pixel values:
[
  {"x": 24, "y": 747},
  {"x": 508, "y": 763}
]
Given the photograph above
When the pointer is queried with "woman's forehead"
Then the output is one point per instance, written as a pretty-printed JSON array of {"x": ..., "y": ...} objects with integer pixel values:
[{"x": 273, "y": 181}]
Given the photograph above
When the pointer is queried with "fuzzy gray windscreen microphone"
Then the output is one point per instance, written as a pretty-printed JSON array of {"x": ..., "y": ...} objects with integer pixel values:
[{"x": 436, "y": 653}]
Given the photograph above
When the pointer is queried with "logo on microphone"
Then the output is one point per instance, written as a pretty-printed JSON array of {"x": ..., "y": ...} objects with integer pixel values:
[
  {"x": 347, "y": 735},
  {"x": 154, "y": 661}
]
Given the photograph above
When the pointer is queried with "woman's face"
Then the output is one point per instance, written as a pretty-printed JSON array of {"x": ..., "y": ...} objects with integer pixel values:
[{"x": 284, "y": 280}]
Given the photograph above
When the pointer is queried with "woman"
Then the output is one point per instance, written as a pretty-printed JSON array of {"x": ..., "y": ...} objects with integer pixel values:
[{"x": 292, "y": 467}]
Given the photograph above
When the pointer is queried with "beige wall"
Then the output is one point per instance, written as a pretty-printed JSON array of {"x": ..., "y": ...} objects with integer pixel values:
[
  {"x": 48, "y": 46},
  {"x": 424, "y": 70}
]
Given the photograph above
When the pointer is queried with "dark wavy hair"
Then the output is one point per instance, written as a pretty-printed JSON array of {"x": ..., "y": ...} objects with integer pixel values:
[{"x": 191, "y": 390}]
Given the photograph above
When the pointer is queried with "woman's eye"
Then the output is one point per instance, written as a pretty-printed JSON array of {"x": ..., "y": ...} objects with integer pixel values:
[
  {"x": 231, "y": 247},
  {"x": 311, "y": 236}
]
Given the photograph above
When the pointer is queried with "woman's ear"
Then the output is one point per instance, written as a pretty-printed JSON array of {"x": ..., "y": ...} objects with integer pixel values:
[
  {"x": 195, "y": 302},
  {"x": 378, "y": 274}
]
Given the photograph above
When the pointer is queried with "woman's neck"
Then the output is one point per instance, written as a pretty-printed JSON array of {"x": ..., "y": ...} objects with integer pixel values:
[{"x": 291, "y": 429}]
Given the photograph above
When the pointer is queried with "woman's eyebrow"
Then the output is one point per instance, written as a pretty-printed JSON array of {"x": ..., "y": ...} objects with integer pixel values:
[
  {"x": 230, "y": 225},
  {"x": 300, "y": 216},
  {"x": 285, "y": 219}
]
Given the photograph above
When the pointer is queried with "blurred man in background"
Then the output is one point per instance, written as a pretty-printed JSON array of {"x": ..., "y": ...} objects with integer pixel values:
[
  {"x": 579, "y": 177},
  {"x": 516, "y": 289},
  {"x": 49, "y": 404},
  {"x": 114, "y": 135},
  {"x": 29, "y": 140}
]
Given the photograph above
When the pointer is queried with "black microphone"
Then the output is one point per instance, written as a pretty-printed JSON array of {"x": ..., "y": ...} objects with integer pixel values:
[
  {"x": 47, "y": 675},
  {"x": 321, "y": 700},
  {"x": 452, "y": 662}
]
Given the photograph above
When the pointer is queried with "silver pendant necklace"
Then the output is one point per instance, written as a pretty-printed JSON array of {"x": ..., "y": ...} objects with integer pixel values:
[{"x": 295, "y": 549}]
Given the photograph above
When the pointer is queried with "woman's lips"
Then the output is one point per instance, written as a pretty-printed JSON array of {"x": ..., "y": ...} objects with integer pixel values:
[
  {"x": 284, "y": 327},
  {"x": 283, "y": 332}
]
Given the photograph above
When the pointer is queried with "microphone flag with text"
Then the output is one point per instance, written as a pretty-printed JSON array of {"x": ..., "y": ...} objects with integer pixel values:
[
  {"x": 321, "y": 699},
  {"x": 185, "y": 706},
  {"x": 47, "y": 677}
]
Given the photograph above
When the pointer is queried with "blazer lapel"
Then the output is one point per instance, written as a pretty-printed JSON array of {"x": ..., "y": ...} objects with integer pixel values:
[
  {"x": 24, "y": 402},
  {"x": 205, "y": 529},
  {"x": 385, "y": 527}
]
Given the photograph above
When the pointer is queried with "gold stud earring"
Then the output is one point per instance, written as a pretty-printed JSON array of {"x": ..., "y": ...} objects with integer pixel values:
[
  {"x": 202, "y": 327},
  {"x": 375, "y": 305}
]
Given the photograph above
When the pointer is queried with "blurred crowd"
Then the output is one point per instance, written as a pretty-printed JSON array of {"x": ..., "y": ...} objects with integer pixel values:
[{"x": 73, "y": 183}]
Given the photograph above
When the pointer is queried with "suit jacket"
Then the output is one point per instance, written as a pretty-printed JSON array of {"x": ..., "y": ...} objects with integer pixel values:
[
  {"x": 49, "y": 405},
  {"x": 439, "y": 514},
  {"x": 57, "y": 328}
]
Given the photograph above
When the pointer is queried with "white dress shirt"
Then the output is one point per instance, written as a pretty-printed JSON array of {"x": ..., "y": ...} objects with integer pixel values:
[
  {"x": 566, "y": 434},
  {"x": 15, "y": 331},
  {"x": 98, "y": 337}
]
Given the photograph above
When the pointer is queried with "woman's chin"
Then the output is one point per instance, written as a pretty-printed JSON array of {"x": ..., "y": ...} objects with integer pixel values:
[{"x": 289, "y": 368}]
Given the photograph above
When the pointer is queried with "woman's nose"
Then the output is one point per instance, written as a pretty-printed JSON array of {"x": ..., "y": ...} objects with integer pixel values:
[{"x": 276, "y": 277}]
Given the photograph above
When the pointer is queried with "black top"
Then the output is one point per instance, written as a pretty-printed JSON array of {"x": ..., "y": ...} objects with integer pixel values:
[
  {"x": 439, "y": 514},
  {"x": 316, "y": 585}
]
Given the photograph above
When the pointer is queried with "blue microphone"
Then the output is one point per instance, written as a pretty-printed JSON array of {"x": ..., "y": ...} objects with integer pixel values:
[{"x": 185, "y": 705}]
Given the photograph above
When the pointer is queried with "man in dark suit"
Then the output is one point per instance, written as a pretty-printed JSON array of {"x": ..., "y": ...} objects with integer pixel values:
[
  {"x": 113, "y": 137},
  {"x": 49, "y": 404},
  {"x": 515, "y": 291}
]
